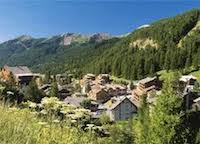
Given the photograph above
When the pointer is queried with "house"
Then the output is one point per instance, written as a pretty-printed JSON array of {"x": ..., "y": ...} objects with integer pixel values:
[
  {"x": 147, "y": 86},
  {"x": 97, "y": 93},
  {"x": 121, "y": 108},
  {"x": 21, "y": 74},
  {"x": 45, "y": 88},
  {"x": 188, "y": 79},
  {"x": 187, "y": 82},
  {"x": 76, "y": 101},
  {"x": 115, "y": 89},
  {"x": 64, "y": 78},
  {"x": 102, "y": 79},
  {"x": 96, "y": 87},
  {"x": 86, "y": 87},
  {"x": 63, "y": 91},
  {"x": 88, "y": 79},
  {"x": 110, "y": 89}
]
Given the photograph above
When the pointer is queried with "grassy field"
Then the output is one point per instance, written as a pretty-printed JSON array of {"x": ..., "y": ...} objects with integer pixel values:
[{"x": 23, "y": 127}]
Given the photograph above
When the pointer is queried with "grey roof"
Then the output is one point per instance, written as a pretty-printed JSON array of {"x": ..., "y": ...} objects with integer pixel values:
[
  {"x": 197, "y": 99},
  {"x": 18, "y": 70},
  {"x": 74, "y": 100},
  {"x": 147, "y": 79}
]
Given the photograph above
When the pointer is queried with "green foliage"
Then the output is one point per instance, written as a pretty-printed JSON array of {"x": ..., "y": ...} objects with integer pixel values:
[
  {"x": 47, "y": 77},
  {"x": 166, "y": 116},
  {"x": 158, "y": 124},
  {"x": 86, "y": 104},
  {"x": 142, "y": 123},
  {"x": 22, "y": 126},
  {"x": 104, "y": 119},
  {"x": 11, "y": 80},
  {"x": 32, "y": 93},
  {"x": 10, "y": 94},
  {"x": 198, "y": 138},
  {"x": 121, "y": 132},
  {"x": 53, "y": 108},
  {"x": 54, "y": 90},
  {"x": 196, "y": 87},
  {"x": 131, "y": 85}
]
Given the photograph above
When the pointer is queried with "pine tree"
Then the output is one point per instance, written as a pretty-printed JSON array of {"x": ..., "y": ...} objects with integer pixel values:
[
  {"x": 167, "y": 61},
  {"x": 54, "y": 90},
  {"x": 47, "y": 78},
  {"x": 166, "y": 115},
  {"x": 142, "y": 124},
  {"x": 188, "y": 62},
  {"x": 32, "y": 93}
]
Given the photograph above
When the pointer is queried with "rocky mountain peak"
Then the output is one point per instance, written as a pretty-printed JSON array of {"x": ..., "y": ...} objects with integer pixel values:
[
  {"x": 99, "y": 37},
  {"x": 24, "y": 37}
]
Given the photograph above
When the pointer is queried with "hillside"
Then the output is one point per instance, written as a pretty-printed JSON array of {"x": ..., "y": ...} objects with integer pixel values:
[
  {"x": 171, "y": 43},
  {"x": 153, "y": 48},
  {"x": 36, "y": 52}
]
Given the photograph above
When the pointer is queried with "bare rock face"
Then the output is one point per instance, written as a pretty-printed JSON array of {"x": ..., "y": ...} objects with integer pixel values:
[
  {"x": 68, "y": 38},
  {"x": 24, "y": 38},
  {"x": 99, "y": 37}
]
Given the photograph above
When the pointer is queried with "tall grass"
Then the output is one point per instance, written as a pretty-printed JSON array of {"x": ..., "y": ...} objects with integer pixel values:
[{"x": 23, "y": 127}]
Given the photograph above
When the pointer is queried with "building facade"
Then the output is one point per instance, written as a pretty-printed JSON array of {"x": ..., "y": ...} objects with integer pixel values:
[
  {"x": 146, "y": 86},
  {"x": 121, "y": 108},
  {"x": 21, "y": 74}
]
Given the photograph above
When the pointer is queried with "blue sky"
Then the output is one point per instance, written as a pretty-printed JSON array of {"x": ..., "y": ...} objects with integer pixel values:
[{"x": 42, "y": 18}]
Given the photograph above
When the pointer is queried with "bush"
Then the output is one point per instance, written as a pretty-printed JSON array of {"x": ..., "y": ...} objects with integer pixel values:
[{"x": 104, "y": 119}]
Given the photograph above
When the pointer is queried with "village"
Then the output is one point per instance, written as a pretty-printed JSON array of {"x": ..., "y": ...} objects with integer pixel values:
[{"x": 100, "y": 94}]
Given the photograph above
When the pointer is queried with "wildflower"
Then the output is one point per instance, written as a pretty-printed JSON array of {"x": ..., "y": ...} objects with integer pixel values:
[
  {"x": 32, "y": 105},
  {"x": 56, "y": 121},
  {"x": 43, "y": 112},
  {"x": 42, "y": 123}
]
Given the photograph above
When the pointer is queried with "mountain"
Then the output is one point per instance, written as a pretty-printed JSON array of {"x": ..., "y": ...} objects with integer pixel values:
[
  {"x": 35, "y": 52},
  {"x": 171, "y": 43}
]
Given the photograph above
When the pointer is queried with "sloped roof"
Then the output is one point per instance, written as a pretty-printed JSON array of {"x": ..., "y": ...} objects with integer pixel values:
[
  {"x": 115, "y": 101},
  {"x": 18, "y": 70},
  {"x": 186, "y": 78},
  {"x": 74, "y": 100},
  {"x": 147, "y": 79},
  {"x": 196, "y": 100},
  {"x": 97, "y": 88}
]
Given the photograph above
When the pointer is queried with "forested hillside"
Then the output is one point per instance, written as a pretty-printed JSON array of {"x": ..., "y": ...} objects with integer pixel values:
[
  {"x": 171, "y": 43},
  {"x": 153, "y": 48}
]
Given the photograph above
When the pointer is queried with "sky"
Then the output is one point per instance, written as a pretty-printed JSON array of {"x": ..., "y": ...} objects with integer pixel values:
[{"x": 44, "y": 18}]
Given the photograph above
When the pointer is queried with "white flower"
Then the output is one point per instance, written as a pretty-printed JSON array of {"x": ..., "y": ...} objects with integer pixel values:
[
  {"x": 56, "y": 121},
  {"x": 42, "y": 123}
]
